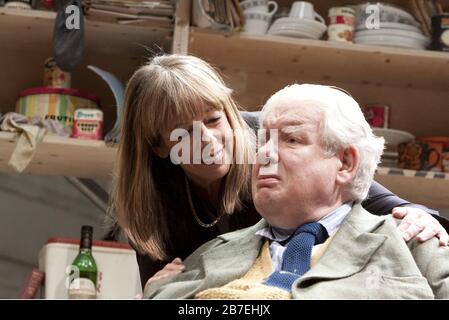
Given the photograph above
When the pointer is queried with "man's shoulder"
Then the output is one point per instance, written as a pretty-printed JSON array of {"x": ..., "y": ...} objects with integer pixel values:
[
  {"x": 367, "y": 222},
  {"x": 363, "y": 221},
  {"x": 421, "y": 252}
]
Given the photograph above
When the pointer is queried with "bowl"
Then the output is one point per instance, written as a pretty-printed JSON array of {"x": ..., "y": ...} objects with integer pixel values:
[{"x": 393, "y": 137}]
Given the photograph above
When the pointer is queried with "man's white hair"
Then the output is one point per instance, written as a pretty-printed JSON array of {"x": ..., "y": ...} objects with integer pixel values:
[{"x": 343, "y": 124}]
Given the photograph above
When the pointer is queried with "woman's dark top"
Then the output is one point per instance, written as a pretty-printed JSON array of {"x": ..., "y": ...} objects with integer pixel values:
[{"x": 187, "y": 235}]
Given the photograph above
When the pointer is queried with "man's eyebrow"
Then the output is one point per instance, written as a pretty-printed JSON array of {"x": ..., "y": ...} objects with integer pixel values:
[{"x": 297, "y": 128}]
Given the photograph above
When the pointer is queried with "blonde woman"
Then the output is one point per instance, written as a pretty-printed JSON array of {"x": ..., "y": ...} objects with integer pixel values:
[{"x": 167, "y": 210}]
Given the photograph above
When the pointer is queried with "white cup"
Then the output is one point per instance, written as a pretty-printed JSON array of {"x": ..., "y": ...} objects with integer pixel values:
[
  {"x": 257, "y": 22},
  {"x": 259, "y": 6},
  {"x": 304, "y": 10}
]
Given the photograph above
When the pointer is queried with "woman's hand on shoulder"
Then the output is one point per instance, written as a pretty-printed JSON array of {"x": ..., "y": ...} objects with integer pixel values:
[
  {"x": 170, "y": 270},
  {"x": 420, "y": 224}
]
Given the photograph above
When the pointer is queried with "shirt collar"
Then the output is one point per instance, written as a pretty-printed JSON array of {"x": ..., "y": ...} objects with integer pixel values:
[{"x": 331, "y": 222}]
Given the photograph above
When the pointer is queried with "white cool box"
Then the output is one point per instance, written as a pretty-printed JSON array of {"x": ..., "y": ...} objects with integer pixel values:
[{"x": 116, "y": 262}]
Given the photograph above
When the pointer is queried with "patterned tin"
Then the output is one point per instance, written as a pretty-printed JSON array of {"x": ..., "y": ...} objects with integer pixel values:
[{"x": 88, "y": 124}]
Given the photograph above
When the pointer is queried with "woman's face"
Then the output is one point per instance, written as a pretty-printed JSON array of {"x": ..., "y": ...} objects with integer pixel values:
[{"x": 205, "y": 144}]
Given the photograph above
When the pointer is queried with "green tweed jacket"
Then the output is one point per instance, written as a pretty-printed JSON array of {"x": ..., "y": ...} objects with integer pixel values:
[{"x": 367, "y": 259}]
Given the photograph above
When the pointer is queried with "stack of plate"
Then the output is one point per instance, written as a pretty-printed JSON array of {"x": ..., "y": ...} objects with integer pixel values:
[
  {"x": 392, "y": 34},
  {"x": 18, "y": 4},
  {"x": 386, "y": 13},
  {"x": 389, "y": 159},
  {"x": 393, "y": 137},
  {"x": 297, "y": 28}
]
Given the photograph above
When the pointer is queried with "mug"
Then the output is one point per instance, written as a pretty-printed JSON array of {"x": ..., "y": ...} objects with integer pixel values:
[
  {"x": 259, "y": 6},
  {"x": 340, "y": 33},
  {"x": 256, "y": 23},
  {"x": 340, "y": 24},
  {"x": 440, "y": 32},
  {"x": 440, "y": 144},
  {"x": 445, "y": 159},
  {"x": 415, "y": 155},
  {"x": 304, "y": 10},
  {"x": 341, "y": 15}
]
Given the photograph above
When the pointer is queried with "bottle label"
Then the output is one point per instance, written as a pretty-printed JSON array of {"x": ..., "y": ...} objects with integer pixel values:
[{"x": 82, "y": 288}]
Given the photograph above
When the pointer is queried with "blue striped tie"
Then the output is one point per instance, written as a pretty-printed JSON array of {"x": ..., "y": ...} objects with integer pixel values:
[{"x": 297, "y": 255}]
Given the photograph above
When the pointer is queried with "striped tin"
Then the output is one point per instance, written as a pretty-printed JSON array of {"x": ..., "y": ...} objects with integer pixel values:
[{"x": 54, "y": 103}]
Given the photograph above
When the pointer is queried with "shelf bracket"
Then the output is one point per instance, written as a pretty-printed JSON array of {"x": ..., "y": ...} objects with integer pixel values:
[
  {"x": 91, "y": 190},
  {"x": 100, "y": 198}
]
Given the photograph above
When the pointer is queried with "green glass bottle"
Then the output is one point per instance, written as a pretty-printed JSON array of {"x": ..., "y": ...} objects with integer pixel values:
[{"x": 84, "y": 272}]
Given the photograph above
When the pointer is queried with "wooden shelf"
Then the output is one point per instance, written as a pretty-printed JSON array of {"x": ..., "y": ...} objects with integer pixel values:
[
  {"x": 423, "y": 187},
  {"x": 323, "y": 60},
  {"x": 32, "y": 30},
  {"x": 58, "y": 156}
]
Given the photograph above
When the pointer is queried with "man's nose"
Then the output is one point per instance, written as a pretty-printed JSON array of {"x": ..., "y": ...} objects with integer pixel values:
[{"x": 268, "y": 153}]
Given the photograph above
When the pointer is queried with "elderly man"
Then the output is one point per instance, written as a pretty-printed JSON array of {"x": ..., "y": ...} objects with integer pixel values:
[{"x": 315, "y": 241}]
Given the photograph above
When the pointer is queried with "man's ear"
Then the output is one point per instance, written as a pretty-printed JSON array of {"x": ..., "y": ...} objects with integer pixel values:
[{"x": 349, "y": 159}]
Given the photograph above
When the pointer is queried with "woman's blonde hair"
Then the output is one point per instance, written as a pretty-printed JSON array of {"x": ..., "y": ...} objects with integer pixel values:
[{"x": 169, "y": 88}]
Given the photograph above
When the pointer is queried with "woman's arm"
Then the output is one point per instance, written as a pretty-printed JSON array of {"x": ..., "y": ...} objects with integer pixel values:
[{"x": 381, "y": 201}]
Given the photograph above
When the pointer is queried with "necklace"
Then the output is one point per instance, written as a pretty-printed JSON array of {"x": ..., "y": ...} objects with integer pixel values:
[{"x": 192, "y": 208}]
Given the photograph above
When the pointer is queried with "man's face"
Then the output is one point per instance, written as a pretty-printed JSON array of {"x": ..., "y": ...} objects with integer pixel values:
[{"x": 302, "y": 189}]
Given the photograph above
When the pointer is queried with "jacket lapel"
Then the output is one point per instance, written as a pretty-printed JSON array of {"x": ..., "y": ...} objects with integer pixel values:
[
  {"x": 234, "y": 258},
  {"x": 350, "y": 249}
]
